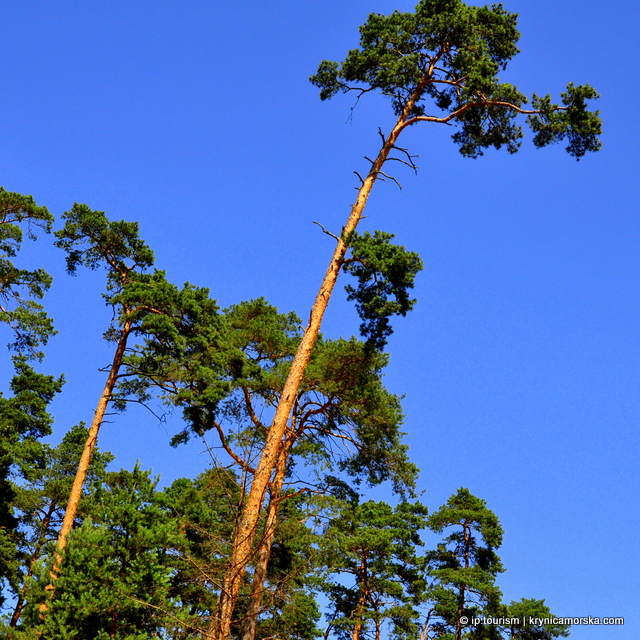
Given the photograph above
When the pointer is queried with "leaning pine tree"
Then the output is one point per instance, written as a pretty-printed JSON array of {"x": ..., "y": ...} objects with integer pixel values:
[
  {"x": 143, "y": 303},
  {"x": 90, "y": 239},
  {"x": 442, "y": 58}
]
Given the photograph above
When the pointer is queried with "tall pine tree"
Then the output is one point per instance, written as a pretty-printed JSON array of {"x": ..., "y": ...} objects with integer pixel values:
[{"x": 443, "y": 58}]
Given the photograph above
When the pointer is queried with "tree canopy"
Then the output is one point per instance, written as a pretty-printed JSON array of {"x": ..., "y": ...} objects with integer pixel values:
[{"x": 447, "y": 55}]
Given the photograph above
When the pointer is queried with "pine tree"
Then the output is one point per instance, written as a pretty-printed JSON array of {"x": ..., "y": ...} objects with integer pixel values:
[
  {"x": 464, "y": 566},
  {"x": 24, "y": 420},
  {"x": 462, "y": 573},
  {"x": 118, "y": 568},
  {"x": 443, "y": 57},
  {"x": 142, "y": 302},
  {"x": 20, "y": 288},
  {"x": 343, "y": 414},
  {"x": 205, "y": 510},
  {"x": 376, "y": 571}
]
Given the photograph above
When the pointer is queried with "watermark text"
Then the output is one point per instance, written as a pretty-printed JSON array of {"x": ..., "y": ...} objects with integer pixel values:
[{"x": 526, "y": 621}]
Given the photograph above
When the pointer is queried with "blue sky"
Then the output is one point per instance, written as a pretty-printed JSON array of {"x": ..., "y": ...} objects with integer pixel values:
[{"x": 520, "y": 362}]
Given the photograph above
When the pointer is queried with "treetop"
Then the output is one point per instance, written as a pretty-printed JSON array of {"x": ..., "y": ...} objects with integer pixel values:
[
  {"x": 451, "y": 53},
  {"x": 91, "y": 239}
]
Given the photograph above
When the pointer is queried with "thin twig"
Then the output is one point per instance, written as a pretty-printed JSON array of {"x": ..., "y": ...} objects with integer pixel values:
[
  {"x": 409, "y": 164},
  {"x": 183, "y": 623},
  {"x": 362, "y": 92},
  {"x": 327, "y": 232},
  {"x": 409, "y": 161},
  {"x": 390, "y": 178}
]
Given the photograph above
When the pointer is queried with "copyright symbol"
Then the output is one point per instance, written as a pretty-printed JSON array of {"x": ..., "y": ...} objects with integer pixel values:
[{"x": 464, "y": 620}]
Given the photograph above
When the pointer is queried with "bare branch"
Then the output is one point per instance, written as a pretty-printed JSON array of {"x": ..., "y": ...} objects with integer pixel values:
[
  {"x": 329, "y": 232},
  {"x": 409, "y": 159},
  {"x": 225, "y": 445},
  {"x": 250, "y": 410},
  {"x": 390, "y": 178},
  {"x": 162, "y": 418},
  {"x": 181, "y": 622},
  {"x": 321, "y": 408},
  {"x": 295, "y": 494},
  {"x": 411, "y": 165},
  {"x": 337, "y": 435},
  {"x": 362, "y": 92}
]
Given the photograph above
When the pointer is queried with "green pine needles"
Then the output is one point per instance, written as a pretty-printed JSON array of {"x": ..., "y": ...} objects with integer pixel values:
[
  {"x": 20, "y": 288},
  {"x": 445, "y": 57},
  {"x": 385, "y": 274}
]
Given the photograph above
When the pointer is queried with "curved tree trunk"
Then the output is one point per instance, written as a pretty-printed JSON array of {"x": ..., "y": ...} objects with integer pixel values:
[{"x": 220, "y": 625}]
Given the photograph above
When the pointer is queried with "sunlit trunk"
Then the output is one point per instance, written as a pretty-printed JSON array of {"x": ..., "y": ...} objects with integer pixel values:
[
  {"x": 220, "y": 626},
  {"x": 264, "y": 549},
  {"x": 85, "y": 459}
]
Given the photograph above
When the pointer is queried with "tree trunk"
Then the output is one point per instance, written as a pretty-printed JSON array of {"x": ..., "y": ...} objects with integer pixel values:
[
  {"x": 264, "y": 549},
  {"x": 220, "y": 625},
  {"x": 85, "y": 459},
  {"x": 362, "y": 600}
]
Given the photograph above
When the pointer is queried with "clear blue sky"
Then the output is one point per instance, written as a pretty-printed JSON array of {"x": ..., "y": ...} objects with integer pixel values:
[{"x": 520, "y": 364}]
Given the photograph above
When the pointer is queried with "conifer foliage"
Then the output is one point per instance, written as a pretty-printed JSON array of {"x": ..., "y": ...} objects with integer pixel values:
[
  {"x": 24, "y": 419},
  {"x": 447, "y": 55},
  {"x": 303, "y": 422},
  {"x": 20, "y": 288}
]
